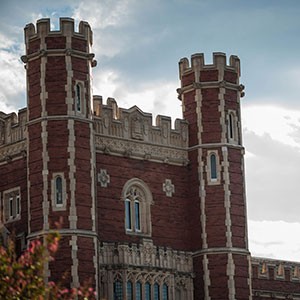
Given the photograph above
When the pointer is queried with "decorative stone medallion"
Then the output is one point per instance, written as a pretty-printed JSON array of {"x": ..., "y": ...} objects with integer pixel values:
[
  {"x": 103, "y": 178},
  {"x": 168, "y": 188}
]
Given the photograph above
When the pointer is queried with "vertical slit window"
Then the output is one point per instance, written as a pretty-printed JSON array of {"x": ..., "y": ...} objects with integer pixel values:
[
  {"x": 128, "y": 214},
  {"x": 137, "y": 216},
  {"x": 129, "y": 291},
  {"x": 58, "y": 191},
  {"x": 231, "y": 124},
  {"x": 213, "y": 167},
  {"x": 138, "y": 291},
  {"x": 18, "y": 205},
  {"x": 165, "y": 292},
  {"x": 78, "y": 98},
  {"x": 10, "y": 207},
  {"x": 118, "y": 290},
  {"x": 156, "y": 292},
  {"x": 147, "y": 291}
]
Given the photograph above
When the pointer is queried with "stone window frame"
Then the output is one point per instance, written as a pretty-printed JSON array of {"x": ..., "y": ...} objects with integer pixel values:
[
  {"x": 57, "y": 206},
  {"x": 11, "y": 205},
  {"x": 232, "y": 127},
  {"x": 145, "y": 201},
  {"x": 210, "y": 180},
  {"x": 144, "y": 280},
  {"x": 82, "y": 100}
]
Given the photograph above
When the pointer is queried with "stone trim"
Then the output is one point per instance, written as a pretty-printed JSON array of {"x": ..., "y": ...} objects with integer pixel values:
[
  {"x": 103, "y": 178},
  {"x": 140, "y": 150},
  {"x": 13, "y": 194},
  {"x": 221, "y": 250},
  {"x": 227, "y": 194},
  {"x": 168, "y": 187},
  {"x": 217, "y": 180},
  {"x": 146, "y": 200},
  {"x": 235, "y": 127},
  {"x": 145, "y": 255},
  {"x": 63, "y": 206}
]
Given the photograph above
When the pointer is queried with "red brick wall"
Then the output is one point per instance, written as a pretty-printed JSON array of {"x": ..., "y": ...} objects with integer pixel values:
[
  {"x": 13, "y": 175},
  {"x": 169, "y": 215}
]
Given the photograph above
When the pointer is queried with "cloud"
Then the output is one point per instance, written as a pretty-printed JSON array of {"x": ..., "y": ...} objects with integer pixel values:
[
  {"x": 274, "y": 239},
  {"x": 272, "y": 178},
  {"x": 157, "y": 96},
  {"x": 12, "y": 75}
]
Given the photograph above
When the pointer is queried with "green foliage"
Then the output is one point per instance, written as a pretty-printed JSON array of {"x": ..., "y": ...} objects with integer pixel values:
[{"x": 23, "y": 277}]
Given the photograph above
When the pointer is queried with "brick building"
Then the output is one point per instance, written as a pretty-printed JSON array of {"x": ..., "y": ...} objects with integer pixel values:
[{"x": 149, "y": 211}]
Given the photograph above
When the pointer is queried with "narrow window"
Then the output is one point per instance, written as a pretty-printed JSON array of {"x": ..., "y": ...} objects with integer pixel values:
[
  {"x": 10, "y": 207},
  {"x": 165, "y": 292},
  {"x": 138, "y": 291},
  {"x": 213, "y": 167},
  {"x": 137, "y": 216},
  {"x": 118, "y": 290},
  {"x": 129, "y": 291},
  {"x": 58, "y": 191},
  {"x": 78, "y": 97},
  {"x": 147, "y": 291},
  {"x": 156, "y": 291},
  {"x": 128, "y": 214},
  {"x": 18, "y": 205},
  {"x": 231, "y": 126}
]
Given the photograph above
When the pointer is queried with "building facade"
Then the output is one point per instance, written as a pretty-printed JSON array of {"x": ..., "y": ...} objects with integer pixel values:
[{"x": 146, "y": 211}]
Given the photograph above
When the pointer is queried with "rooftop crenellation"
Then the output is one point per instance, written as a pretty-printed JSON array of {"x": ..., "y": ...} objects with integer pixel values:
[
  {"x": 66, "y": 28},
  {"x": 219, "y": 63}
]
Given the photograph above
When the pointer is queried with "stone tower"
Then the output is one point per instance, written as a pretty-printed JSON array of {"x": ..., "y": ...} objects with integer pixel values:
[
  {"x": 61, "y": 156},
  {"x": 210, "y": 97}
]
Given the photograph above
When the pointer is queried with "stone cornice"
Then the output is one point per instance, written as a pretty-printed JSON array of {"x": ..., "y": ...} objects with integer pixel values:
[
  {"x": 9, "y": 152},
  {"x": 57, "y": 52},
  {"x": 141, "y": 150}
]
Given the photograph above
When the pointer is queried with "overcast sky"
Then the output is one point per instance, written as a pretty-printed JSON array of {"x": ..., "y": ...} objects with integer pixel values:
[{"x": 138, "y": 44}]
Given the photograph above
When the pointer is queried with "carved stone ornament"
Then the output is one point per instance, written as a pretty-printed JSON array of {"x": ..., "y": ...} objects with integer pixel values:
[
  {"x": 168, "y": 188},
  {"x": 103, "y": 178}
]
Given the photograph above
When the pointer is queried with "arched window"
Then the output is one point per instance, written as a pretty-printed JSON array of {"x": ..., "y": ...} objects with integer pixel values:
[
  {"x": 137, "y": 199},
  {"x": 58, "y": 191},
  {"x": 138, "y": 291},
  {"x": 232, "y": 127},
  {"x": 156, "y": 291},
  {"x": 129, "y": 291},
  {"x": 147, "y": 291},
  {"x": 165, "y": 292},
  {"x": 213, "y": 167},
  {"x": 118, "y": 290}
]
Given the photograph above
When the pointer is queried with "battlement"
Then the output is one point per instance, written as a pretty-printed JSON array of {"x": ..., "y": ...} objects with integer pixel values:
[
  {"x": 266, "y": 268},
  {"x": 130, "y": 132},
  {"x": 12, "y": 127},
  {"x": 219, "y": 63},
  {"x": 66, "y": 29}
]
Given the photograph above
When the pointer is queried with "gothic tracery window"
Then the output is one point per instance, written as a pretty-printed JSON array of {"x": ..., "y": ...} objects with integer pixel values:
[{"x": 137, "y": 198}]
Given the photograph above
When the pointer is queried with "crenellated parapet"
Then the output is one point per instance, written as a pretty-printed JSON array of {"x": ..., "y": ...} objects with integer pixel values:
[
  {"x": 40, "y": 40},
  {"x": 12, "y": 134},
  {"x": 130, "y": 132},
  {"x": 272, "y": 269},
  {"x": 219, "y": 63}
]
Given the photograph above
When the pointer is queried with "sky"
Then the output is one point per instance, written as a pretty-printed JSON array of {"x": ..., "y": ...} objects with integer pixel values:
[{"x": 138, "y": 44}]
